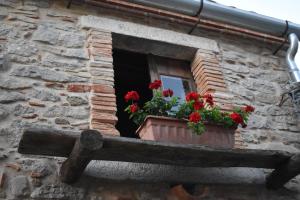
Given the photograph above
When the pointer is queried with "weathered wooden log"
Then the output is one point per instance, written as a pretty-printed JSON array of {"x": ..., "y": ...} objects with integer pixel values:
[
  {"x": 285, "y": 172},
  {"x": 48, "y": 142},
  {"x": 82, "y": 153},
  {"x": 60, "y": 143}
]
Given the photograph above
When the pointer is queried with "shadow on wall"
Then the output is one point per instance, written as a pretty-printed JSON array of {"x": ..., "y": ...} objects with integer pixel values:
[{"x": 126, "y": 179}]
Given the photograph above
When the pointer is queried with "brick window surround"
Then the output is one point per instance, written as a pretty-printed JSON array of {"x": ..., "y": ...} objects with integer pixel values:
[
  {"x": 102, "y": 97},
  {"x": 205, "y": 68},
  {"x": 209, "y": 78}
]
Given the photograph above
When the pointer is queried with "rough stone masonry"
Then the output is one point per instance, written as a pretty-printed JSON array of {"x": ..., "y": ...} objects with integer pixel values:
[{"x": 56, "y": 71}]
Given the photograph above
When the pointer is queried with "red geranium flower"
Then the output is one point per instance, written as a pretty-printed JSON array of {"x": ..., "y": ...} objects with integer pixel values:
[
  {"x": 237, "y": 118},
  {"x": 209, "y": 99},
  {"x": 249, "y": 108},
  {"x": 210, "y": 102},
  {"x": 155, "y": 84},
  {"x": 192, "y": 96},
  {"x": 198, "y": 105},
  {"x": 168, "y": 93},
  {"x": 194, "y": 117},
  {"x": 133, "y": 108},
  {"x": 132, "y": 95}
]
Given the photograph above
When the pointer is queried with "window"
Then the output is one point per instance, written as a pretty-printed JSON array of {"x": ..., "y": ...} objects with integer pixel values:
[
  {"x": 174, "y": 74},
  {"x": 134, "y": 71},
  {"x": 179, "y": 85}
]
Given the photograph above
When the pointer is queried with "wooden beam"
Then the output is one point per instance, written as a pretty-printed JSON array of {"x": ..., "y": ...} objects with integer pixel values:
[
  {"x": 89, "y": 142},
  {"x": 284, "y": 173},
  {"x": 60, "y": 143}
]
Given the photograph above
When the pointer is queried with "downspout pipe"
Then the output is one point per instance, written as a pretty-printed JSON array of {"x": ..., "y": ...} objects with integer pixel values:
[
  {"x": 207, "y": 9},
  {"x": 294, "y": 85},
  {"x": 294, "y": 70}
]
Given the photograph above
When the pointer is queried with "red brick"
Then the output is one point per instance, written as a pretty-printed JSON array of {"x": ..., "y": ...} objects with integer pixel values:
[
  {"x": 201, "y": 80},
  {"x": 16, "y": 167},
  {"x": 103, "y": 118},
  {"x": 101, "y": 99},
  {"x": 100, "y": 88},
  {"x": 105, "y": 95},
  {"x": 104, "y": 109},
  {"x": 30, "y": 116},
  {"x": 54, "y": 85},
  {"x": 105, "y": 128},
  {"x": 104, "y": 103},
  {"x": 36, "y": 103},
  {"x": 78, "y": 88},
  {"x": 35, "y": 175}
]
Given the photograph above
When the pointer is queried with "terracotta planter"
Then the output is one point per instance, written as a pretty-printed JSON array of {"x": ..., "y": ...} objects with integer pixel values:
[{"x": 176, "y": 131}]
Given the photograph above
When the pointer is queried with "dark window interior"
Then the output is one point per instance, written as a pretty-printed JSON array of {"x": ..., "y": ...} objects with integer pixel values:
[{"x": 131, "y": 73}]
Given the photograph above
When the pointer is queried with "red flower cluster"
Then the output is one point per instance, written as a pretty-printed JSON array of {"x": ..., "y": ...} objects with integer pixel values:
[
  {"x": 155, "y": 84},
  {"x": 168, "y": 93},
  {"x": 249, "y": 109},
  {"x": 132, "y": 95},
  {"x": 192, "y": 96},
  {"x": 198, "y": 105},
  {"x": 209, "y": 99},
  {"x": 237, "y": 118},
  {"x": 133, "y": 108},
  {"x": 194, "y": 117}
]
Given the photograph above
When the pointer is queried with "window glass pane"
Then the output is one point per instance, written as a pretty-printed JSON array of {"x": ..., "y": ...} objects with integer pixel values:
[
  {"x": 179, "y": 86},
  {"x": 186, "y": 86}
]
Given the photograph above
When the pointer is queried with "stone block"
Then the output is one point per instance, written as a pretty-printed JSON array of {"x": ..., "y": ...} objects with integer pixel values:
[
  {"x": 19, "y": 186},
  {"x": 3, "y": 113},
  {"x": 23, "y": 110},
  {"x": 71, "y": 112},
  {"x": 9, "y": 3},
  {"x": 55, "y": 61},
  {"x": 60, "y": 120},
  {"x": 43, "y": 95},
  {"x": 76, "y": 101},
  {"x": 3, "y": 13},
  {"x": 22, "y": 48},
  {"x": 10, "y": 97},
  {"x": 40, "y": 4},
  {"x": 72, "y": 40},
  {"x": 58, "y": 191},
  {"x": 46, "y": 34},
  {"x": 45, "y": 74}
]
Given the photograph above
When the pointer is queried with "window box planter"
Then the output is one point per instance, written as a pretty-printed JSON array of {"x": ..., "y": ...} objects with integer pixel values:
[{"x": 172, "y": 130}]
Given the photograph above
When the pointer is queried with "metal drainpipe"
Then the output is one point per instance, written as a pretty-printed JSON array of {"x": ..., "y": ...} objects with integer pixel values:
[
  {"x": 290, "y": 57},
  {"x": 294, "y": 71}
]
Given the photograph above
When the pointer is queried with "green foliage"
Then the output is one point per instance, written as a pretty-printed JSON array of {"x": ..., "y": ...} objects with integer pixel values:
[
  {"x": 209, "y": 113},
  {"x": 158, "y": 106},
  {"x": 198, "y": 128},
  {"x": 184, "y": 110}
]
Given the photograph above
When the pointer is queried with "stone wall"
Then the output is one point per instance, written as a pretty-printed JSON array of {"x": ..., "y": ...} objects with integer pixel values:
[{"x": 52, "y": 66}]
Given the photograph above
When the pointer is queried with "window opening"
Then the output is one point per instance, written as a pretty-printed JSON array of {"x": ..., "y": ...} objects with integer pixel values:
[{"x": 131, "y": 73}]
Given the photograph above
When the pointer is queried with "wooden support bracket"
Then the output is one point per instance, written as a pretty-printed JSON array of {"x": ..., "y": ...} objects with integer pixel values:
[
  {"x": 82, "y": 153},
  {"x": 284, "y": 173}
]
